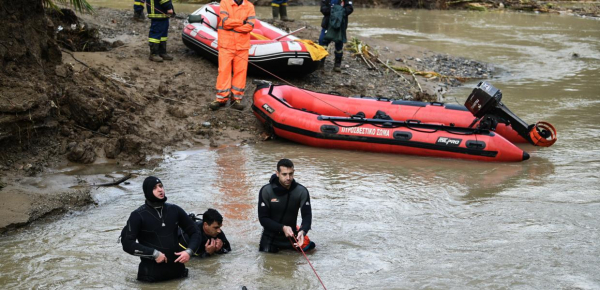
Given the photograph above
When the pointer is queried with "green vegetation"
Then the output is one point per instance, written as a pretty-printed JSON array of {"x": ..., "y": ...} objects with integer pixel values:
[
  {"x": 476, "y": 7},
  {"x": 79, "y": 5}
]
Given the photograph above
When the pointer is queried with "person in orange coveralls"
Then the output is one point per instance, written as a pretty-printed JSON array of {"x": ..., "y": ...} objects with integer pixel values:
[{"x": 235, "y": 24}]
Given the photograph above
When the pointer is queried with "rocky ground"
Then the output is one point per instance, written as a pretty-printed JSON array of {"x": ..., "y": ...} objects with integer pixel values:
[{"x": 106, "y": 101}]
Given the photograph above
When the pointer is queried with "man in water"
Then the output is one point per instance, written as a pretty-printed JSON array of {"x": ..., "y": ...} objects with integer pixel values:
[
  {"x": 151, "y": 234},
  {"x": 278, "y": 206},
  {"x": 212, "y": 238}
]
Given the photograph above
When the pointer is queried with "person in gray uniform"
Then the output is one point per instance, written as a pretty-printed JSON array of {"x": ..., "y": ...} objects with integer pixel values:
[{"x": 278, "y": 204}]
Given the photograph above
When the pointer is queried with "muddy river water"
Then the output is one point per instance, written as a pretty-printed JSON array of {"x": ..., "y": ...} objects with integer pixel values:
[{"x": 380, "y": 221}]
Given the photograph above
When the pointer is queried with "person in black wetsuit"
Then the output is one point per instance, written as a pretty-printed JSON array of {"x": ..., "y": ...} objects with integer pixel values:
[
  {"x": 151, "y": 234},
  {"x": 212, "y": 238},
  {"x": 278, "y": 206}
]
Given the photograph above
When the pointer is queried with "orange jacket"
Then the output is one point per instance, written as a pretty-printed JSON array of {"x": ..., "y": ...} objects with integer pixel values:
[{"x": 235, "y": 24}]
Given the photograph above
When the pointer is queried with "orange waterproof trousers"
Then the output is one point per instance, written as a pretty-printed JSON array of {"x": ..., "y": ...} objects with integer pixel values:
[{"x": 231, "y": 62}]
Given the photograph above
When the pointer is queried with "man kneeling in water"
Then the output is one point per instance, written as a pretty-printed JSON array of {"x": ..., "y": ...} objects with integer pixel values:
[
  {"x": 212, "y": 238},
  {"x": 151, "y": 234}
]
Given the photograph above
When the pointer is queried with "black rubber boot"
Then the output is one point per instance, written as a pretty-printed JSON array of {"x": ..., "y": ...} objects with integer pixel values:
[
  {"x": 162, "y": 51},
  {"x": 337, "y": 65},
  {"x": 138, "y": 15},
  {"x": 283, "y": 12},
  {"x": 275, "y": 12},
  {"x": 154, "y": 52}
]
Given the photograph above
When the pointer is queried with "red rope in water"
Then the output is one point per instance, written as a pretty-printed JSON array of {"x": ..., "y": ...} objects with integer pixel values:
[{"x": 309, "y": 263}]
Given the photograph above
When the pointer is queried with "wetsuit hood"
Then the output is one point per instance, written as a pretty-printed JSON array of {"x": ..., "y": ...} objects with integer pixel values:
[
  {"x": 148, "y": 187},
  {"x": 278, "y": 189}
]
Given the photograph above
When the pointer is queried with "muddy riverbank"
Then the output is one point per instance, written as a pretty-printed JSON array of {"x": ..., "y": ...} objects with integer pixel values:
[
  {"x": 99, "y": 99},
  {"x": 26, "y": 199}
]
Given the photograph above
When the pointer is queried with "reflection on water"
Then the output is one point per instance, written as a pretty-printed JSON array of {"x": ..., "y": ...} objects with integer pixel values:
[
  {"x": 236, "y": 202},
  {"x": 380, "y": 221}
]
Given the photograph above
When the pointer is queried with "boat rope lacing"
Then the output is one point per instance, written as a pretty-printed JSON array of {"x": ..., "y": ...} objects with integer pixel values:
[{"x": 409, "y": 126}]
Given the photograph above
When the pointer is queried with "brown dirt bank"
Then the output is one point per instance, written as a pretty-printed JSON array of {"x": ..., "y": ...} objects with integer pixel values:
[
  {"x": 61, "y": 102},
  {"x": 27, "y": 199}
]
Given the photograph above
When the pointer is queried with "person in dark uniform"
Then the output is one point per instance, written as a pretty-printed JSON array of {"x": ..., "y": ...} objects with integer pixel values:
[
  {"x": 280, "y": 6},
  {"x": 151, "y": 234},
  {"x": 278, "y": 206},
  {"x": 138, "y": 10},
  {"x": 159, "y": 12},
  {"x": 212, "y": 238}
]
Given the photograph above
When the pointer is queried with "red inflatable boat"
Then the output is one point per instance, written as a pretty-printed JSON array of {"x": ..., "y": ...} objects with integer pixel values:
[
  {"x": 382, "y": 125},
  {"x": 271, "y": 48}
]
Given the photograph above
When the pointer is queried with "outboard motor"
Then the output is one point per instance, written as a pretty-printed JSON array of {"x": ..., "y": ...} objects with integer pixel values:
[{"x": 486, "y": 105}]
